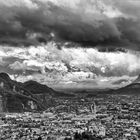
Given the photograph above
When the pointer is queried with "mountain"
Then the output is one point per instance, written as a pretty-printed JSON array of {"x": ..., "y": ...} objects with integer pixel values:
[
  {"x": 37, "y": 88},
  {"x": 133, "y": 88},
  {"x": 29, "y": 96},
  {"x": 137, "y": 80}
]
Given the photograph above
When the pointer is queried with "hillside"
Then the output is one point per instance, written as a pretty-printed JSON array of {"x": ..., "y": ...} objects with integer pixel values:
[
  {"x": 36, "y": 88},
  {"x": 137, "y": 80},
  {"x": 28, "y": 96},
  {"x": 131, "y": 89}
]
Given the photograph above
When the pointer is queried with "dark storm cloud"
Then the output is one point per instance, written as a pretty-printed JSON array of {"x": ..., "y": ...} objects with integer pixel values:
[{"x": 29, "y": 22}]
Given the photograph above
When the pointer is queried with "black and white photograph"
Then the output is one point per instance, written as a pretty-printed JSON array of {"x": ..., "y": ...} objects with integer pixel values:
[{"x": 69, "y": 69}]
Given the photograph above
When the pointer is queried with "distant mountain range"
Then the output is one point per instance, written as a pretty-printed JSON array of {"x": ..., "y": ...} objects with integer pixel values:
[
  {"x": 29, "y": 96},
  {"x": 137, "y": 80},
  {"x": 131, "y": 89}
]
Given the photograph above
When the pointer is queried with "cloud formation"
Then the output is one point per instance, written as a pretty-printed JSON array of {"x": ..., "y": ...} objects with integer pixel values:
[
  {"x": 68, "y": 64},
  {"x": 66, "y": 39},
  {"x": 88, "y": 22}
]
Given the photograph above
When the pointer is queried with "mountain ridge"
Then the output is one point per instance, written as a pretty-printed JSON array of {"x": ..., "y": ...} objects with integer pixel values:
[
  {"x": 31, "y": 95},
  {"x": 137, "y": 80},
  {"x": 130, "y": 89}
]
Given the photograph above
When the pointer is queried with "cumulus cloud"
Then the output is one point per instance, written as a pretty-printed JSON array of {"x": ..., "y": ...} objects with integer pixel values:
[
  {"x": 88, "y": 22},
  {"x": 17, "y": 66},
  {"x": 73, "y": 66},
  {"x": 88, "y": 62}
]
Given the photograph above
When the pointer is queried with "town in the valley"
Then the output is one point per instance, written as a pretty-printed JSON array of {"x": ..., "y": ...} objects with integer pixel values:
[{"x": 103, "y": 117}]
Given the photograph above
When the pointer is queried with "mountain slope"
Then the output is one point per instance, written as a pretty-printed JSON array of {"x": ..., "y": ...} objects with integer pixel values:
[
  {"x": 28, "y": 96},
  {"x": 137, "y": 80},
  {"x": 133, "y": 88},
  {"x": 36, "y": 88}
]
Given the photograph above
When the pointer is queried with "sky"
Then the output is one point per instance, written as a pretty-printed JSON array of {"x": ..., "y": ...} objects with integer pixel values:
[{"x": 67, "y": 44}]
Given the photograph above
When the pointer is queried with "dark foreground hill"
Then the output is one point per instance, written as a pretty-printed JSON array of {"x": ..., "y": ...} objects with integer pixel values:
[{"x": 28, "y": 96}]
